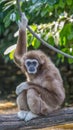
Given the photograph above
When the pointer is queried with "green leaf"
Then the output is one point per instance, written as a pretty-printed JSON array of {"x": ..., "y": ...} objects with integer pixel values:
[
  {"x": 35, "y": 43},
  {"x": 43, "y": 13},
  {"x": 11, "y": 55},
  {"x": 61, "y": 4},
  {"x": 33, "y": 1},
  {"x": 51, "y": 40},
  {"x": 7, "y": 23},
  {"x": 34, "y": 27},
  {"x": 63, "y": 41},
  {"x": 69, "y": 2},
  {"x": 52, "y": 2},
  {"x": 30, "y": 39},
  {"x": 70, "y": 36},
  {"x": 35, "y": 6},
  {"x": 70, "y": 60},
  {"x": 7, "y": 19},
  {"x": 66, "y": 33},
  {"x": 1, "y": 1}
]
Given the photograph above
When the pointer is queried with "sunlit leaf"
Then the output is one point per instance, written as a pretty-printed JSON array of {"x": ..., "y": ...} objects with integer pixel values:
[
  {"x": 11, "y": 55},
  {"x": 34, "y": 27},
  {"x": 35, "y": 43}
]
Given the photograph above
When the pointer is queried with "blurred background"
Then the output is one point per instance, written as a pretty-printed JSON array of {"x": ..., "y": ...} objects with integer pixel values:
[{"x": 52, "y": 20}]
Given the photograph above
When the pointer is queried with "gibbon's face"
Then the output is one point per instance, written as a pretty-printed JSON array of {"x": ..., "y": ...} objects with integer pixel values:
[{"x": 31, "y": 66}]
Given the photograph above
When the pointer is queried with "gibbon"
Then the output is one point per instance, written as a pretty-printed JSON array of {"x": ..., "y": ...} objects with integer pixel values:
[{"x": 43, "y": 92}]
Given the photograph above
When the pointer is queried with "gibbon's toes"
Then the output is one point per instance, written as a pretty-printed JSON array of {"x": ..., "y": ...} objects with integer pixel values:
[
  {"x": 22, "y": 114},
  {"x": 30, "y": 116}
]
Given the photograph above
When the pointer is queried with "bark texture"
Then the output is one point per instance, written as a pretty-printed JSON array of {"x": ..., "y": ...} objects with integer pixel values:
[{"x": 11, "y": 121}]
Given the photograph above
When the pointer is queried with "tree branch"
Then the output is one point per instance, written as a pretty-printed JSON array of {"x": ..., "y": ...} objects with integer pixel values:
[
  {"x": 12, "y": 122},
  {"x": 41, "y": 40}
]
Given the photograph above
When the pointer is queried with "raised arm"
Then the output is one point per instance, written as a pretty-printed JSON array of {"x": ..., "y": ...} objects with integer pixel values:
[{"x": 22, "y": 40}]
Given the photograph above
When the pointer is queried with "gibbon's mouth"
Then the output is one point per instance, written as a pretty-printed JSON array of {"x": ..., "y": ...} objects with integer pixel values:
[{"x": 32, "y": 71}]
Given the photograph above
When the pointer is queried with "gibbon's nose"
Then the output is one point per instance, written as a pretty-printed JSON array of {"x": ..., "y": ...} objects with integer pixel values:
[{"x": 31, "y": 69}]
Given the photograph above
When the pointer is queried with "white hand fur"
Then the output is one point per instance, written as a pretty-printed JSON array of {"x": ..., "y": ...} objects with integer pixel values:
[
  {"x": 23, "y": 23},
  {"x": 21, "y": 87}
]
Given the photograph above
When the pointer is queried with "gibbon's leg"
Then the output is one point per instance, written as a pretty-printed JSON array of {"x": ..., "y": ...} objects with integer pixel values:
[
  {"x": 22, "y": 105},
  {"x": 36, "y": 104}
]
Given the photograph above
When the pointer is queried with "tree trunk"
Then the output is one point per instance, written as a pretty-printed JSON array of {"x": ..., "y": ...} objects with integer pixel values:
[{"x": 11, "y": 121}]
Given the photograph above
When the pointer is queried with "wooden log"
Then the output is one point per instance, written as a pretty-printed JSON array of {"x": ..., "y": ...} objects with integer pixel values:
[{"x": 12, "y": 122}]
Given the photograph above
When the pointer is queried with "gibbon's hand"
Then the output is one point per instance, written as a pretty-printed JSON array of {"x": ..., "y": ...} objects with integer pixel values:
[
  {"x": 21, "y": 87},
  {"x": 23, "y": 23}
]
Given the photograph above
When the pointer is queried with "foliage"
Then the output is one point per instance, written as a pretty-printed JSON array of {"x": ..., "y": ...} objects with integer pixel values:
[{"x": 51, "y": 19}]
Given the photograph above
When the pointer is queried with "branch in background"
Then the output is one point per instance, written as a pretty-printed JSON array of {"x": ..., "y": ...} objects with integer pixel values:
[
  {"x": 41, "y": 40},
  {"x": 48, "y": 45}
]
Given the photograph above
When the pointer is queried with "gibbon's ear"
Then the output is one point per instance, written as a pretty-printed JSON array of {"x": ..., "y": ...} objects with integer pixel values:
[{"x": 42, "y": 59}]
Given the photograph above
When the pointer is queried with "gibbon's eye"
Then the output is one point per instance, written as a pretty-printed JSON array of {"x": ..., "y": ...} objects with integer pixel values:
[
  {"x": 31, "y": 62},
  {"x": 34, "y": 63},
  {"x": 28, "y": 63}
]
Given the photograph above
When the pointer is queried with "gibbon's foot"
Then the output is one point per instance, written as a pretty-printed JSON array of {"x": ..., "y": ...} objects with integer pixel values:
[
  {"x": 30, "y": 116},
  {"x": 22, "y": 114}
]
